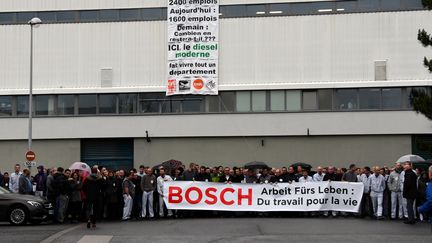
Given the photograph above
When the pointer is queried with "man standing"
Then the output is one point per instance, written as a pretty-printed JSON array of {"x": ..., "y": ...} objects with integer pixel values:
[
  {"x": 203, "y": 175},
  {"x": 190, "y": 174},
  {"x": 396, "y": 195},
  {"x": 14, "y": 179},
  {"x": 50, "y": 189},
  {"x": 331, "y": 176},
  {"x": 377, "y": 186},
  {"x": 25, "y": 185},
  {"x": 148, "y": 185},
  {"x": 350, "y": 176},
  {"x": 365, "y": 205},
  {"x": 160, "y": 186},
  {"x": 426, "y": 208},
  {"x": 226, "y": 177},
  {"x": 410, "y": 191},
  {"x": 319, "y": 176},
  {"x": 305, "y": 177},
  {"x": 62, "y": 186},
  {"x": 265, "y": 176},
  {"x": 128, "y": 195},
  {"x": 40, "y": 179}
]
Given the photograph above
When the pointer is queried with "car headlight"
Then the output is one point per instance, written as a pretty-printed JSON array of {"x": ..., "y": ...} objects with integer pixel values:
[{"x": 35, "y": 204}]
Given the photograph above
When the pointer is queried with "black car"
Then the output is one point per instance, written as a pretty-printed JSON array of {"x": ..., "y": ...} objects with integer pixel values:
[{"x": 19, "y": 209}]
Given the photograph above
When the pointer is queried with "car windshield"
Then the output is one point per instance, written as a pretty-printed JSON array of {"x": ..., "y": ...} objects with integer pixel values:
[{"x": 3, "y": 191}]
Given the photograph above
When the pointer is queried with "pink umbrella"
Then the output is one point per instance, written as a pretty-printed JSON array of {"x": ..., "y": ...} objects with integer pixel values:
[{"x": 81, "y": 166}]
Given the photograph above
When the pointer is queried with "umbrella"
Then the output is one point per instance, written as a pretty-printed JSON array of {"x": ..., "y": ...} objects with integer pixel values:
[
  {"x": 80, "y": 166},
  {"x": 410, "y": 158},
  {"x": 172, "y": 163},
  {"x": 256, "y": 165},
  {"x": 303, "y": 165}
]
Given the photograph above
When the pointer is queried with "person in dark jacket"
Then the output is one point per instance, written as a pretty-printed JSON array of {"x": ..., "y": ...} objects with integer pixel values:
[
  {"x": 5, "y": 182},
  {"x": 24, "y": 183},
  {"x": 92, "y": 188},
  {"x": 410, "y": 191},
  {"x": 226, "y": 177},
  {"x": 331, "y": 176},
  {"x": 62, "y": 190},
  {"x": 40, "y": 179},
  {"x": 75, "y": 202},
  {"x": 203, "y": 175},
  {"x": 426, "y": 208}
]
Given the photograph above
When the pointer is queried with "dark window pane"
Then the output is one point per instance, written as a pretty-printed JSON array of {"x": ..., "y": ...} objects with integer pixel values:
[
  {"x": 255, "y": 10},
  {"x": 243, "y": 101},
  {"x": 259, "y": 100},
  {"x": 5, "y": 105},
  {"x": 88, "y": 15},
  {"x": 25, "y": 17},
  {"x": 346, "y": 99},
  {"x": 192, "y": 105},
  {"x": 212, "y": 103},
  {"x": 65, "y": 104},
  {"x": 152, "y": 14},
  {"x": 65, "y": 16},
  {"x": 277, "y": 100},
  {"x": 293, "y": 100},
  {"x": 280, "y": 8},
  {"x": 44, "y": 105},
  {"x": 22, "y": 105},
  {"x": 47, "y": 17},
  {"x": 233, "y": 11},
  {"x": 6, "y": 18},
  {"x": 368, "y": 5},
  {"x": 325, "y": 99},
  {"x": 107, "y": 103},
  {"x": 227, "y": 101},
  {"x": 370, "y": 98},
  {"x": 110, "y": 14},
  {"x": 348, "y": 6},
  {"x": 392, "y": 98},
  {"x": 149, "y": 106},
  {"x": 310, "y": 100},
  {"x": 130, "y": 14},
  {"x": 411, "y": 4},
  {"x": 164, "y": 13},
  {"x": 390, "y": 5},
  {"x": 312, "y": 8},
  {"x": 127, "y": 103},
  {"x": 171, "y": 106},
  {"x": 87, "y": 104}
]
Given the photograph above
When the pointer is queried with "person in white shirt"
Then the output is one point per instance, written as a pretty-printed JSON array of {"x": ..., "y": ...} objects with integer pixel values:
[
  {"x": 377, "y": 185},
  {"x": 319, "y": 176},
  {"x": 160, "y": 186},
  {"x": 305, "y": 177},
  {"x": 14, "y": 179}
]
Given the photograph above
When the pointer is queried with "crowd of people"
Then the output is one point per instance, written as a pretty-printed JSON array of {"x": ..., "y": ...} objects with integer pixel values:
[{"x": 393, "y": 193}]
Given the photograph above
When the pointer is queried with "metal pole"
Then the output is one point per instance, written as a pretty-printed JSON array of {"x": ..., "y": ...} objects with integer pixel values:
[{"x": 30, "y": 124}]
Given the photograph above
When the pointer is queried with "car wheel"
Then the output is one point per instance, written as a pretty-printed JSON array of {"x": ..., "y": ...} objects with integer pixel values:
[{"x": 18, "y": 215}]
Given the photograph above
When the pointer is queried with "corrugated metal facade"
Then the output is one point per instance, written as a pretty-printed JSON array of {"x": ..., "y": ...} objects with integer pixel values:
[{"x": 298, "y": 50}]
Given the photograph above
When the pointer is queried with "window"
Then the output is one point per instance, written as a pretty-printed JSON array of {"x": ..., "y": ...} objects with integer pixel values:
[
  {"x": 243, "y": 101},
  {"x": 130, "y": 14},
  {"x": 107, "y": 104},
  {"x": 325, "y": 99},
  {"x": 172, "y": 105},
  {"x": 22, "y": 105},
  {"x": 192, "y": 104},
  {"x": 346, "y": 7},
  {"x": 149, "y": 102},
  {"x": 346, "y": 99},
  {"x": 391, "y": 5},
  {"x": 391, "y": 98},
  {"x": 312, "y": 8},
  {"x": 6, "y": 18},
  {"x": 151, "y": 14},
  {"x": 259, "y": 100},
  {"x": 233, "y": 10},
  {"x": 310, "y": 100},
  {"x": 44, "y": 105},
  {"x": 279, "y": 8},
  {"x": 65, "y": 16},
  {"x": 255, "y": 10},
  {"x": 212, "y": 103},
  {"x": 5, "y": 105},
  {"x": 25, "y": 17},
  {"x": 370, "y": 98},
  {"x": 111, "y": 14},
  {"x": 368, "y": 5},
  {"x": 227, "y": 101},
  {"x": 411, "y": 4},
  {"x": 127, "y": 103},
  {"x": 277, "y": 100},
  {"x": 66, "y": 105},
  {"x": 47, "y": 17},
  {"x": 87, "y": 104},
  {"x": 293, "y": 100},
  {"x": 88, "y": 15}
]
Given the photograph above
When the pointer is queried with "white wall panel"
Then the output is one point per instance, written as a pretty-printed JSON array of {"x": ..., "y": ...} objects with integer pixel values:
[{"x": 281, "y": 52}]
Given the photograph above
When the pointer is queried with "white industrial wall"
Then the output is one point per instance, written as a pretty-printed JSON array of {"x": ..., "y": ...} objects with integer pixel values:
[
  {"x": 270, "y": 52},
  {"x": 44, "y": 5}
]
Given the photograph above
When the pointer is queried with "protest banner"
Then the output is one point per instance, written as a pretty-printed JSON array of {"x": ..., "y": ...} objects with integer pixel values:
[{"x": 311, "y": 196}]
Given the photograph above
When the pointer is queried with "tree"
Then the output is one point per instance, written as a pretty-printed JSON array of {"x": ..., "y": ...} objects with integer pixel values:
[{"x": 421, "y": 100}]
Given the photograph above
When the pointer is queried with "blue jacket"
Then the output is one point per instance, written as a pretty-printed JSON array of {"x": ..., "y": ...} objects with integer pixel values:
[{"x": 426, "y": 208}]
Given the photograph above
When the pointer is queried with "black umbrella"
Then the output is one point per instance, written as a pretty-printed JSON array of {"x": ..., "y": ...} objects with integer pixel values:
[
  {"x": 303, "y": 165},
  {"x": 256, "y": 165},
  {"x": 172, "y": 163}
]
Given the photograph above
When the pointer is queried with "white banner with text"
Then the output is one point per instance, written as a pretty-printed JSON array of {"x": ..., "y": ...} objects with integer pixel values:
[
  {"x": 310, "y": 196},
  {"x": 193, "y": 37}
]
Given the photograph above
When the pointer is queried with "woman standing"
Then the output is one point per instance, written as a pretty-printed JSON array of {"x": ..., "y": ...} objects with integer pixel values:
[
  {"x": 75, "y": 202},
  {"x": 92, "y": 188}
]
